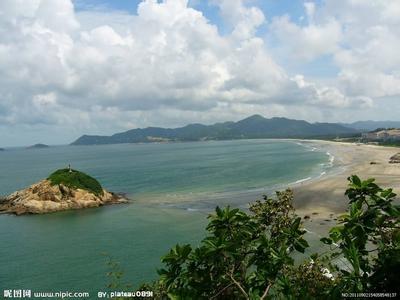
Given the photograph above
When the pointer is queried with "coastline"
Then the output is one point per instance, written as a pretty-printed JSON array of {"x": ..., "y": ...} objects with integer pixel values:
[
  {"x": 206, "y": 201},
  {"x": 322, "y": 199},
  {"x": 319, "y": 199}
]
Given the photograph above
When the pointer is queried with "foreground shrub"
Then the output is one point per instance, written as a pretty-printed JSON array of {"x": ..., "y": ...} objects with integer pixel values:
[{"x": 250, "y": 255}]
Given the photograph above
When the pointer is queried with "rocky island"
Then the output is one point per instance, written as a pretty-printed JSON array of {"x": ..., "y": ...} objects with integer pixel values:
[
  {"x": 38, "y": 146},
  {"x": 65, "y": 189}
]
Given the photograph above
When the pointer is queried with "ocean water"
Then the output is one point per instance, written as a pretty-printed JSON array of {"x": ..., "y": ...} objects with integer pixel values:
[{"x": 173, "y": 188}]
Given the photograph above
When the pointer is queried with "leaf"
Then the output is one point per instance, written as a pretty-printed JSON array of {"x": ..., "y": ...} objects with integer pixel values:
[
  {"x": 300, "y": 245},
  {"x": 355, "y": 180},
  {"x": 336, "y": 233},
  {"x": 296, "y": 223},
  {"x": 218, "y": 211}
]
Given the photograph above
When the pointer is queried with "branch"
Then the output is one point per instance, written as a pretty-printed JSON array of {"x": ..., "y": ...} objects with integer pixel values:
[
  {"x": 238, "y": 284},
  {"x": 220, "y": 292},
  {"x": 266, "y": 292}
]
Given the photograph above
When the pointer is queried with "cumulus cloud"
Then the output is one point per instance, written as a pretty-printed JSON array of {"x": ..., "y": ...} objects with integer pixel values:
[
  {"x": 167, "y": 65},
  {"x": 361, "y": 37},
  {"x": 308, "y": 42},
  {"x": 244, "y": 20}
]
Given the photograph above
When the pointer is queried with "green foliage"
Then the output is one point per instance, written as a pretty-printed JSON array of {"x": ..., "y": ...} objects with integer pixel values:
[
  {"x": 243, "y": 256},
  {"x": 253, "y": 127},
  {"x": 77, "y": 180},
  {"x": 250, "y": 255},
  {"x": 367, "y": 239},
  {"x": 390, "y": 143},
  {"x": 310, "y": 280}
]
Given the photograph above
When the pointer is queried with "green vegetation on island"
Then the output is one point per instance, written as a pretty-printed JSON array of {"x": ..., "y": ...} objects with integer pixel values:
[
  {"x": 77, "y": 180},
  {"x": 38, "y": 146},
  {"x": 254, "y": 127},
  {"x": 250, "y": 255}
]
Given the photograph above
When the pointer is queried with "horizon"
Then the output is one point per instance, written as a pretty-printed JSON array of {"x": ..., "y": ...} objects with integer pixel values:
[
  {"x": 75, "y": 67},
  {"x": 216, "y": 122}
]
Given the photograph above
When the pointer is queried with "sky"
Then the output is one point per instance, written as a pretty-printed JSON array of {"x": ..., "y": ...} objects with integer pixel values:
[{"x": 73, "y": 67}]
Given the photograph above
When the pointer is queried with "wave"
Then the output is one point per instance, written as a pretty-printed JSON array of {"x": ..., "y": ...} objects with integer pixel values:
[
  {"x": 192, "y": 209},
  {"x": 331, "y": 158},
  {"x": 310, "y": 148},
  {"x": 301, "y": 180}
]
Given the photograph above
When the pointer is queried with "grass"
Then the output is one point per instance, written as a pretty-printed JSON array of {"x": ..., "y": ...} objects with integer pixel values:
[{"x": 76, "y": 180}]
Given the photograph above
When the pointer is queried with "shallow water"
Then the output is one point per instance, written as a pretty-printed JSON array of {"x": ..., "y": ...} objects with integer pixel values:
[{"x": 173, "y": 187}]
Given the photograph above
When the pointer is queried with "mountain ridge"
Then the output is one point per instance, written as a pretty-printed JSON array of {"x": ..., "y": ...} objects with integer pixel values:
[{"x": 253, "y": 127}]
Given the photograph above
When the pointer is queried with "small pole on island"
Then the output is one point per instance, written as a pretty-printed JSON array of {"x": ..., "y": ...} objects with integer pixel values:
[{"x": 69, "y": 168}]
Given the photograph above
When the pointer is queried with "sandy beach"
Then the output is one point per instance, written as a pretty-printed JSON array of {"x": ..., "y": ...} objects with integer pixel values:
[{"x": 323, "y": 199}]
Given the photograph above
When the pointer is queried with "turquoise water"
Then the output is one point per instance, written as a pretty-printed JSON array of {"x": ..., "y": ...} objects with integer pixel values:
[{"x": 173, "y": 187}]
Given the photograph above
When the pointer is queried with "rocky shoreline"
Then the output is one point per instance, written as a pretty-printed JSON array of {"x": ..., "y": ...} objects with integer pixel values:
[
  {"x": 395, "y": 159},
  {"x": 44, "y": 197}
]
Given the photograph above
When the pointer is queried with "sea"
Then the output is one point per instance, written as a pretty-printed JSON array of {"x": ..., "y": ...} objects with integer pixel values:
[{"x": 173, "y": 187}]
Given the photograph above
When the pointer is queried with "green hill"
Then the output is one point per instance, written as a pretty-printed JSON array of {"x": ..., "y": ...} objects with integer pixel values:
[
  {"x": 38, "y": 146},
  {"x": 253, "y": 127},
  {"x": 76, "y": 180}
]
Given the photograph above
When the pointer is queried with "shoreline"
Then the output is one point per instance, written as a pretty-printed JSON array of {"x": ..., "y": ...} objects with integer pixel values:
[
  {"x": 322, "y": 199},
  {"x": 241, "y": 198},
  {"x": 319, "y": 197}
]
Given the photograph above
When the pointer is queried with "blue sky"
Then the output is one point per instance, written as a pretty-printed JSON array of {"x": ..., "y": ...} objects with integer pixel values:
[
  {"x": 295, "y": 8},
  {"x": 269, "y": 7},
  {"x": 73, "y": 67}
]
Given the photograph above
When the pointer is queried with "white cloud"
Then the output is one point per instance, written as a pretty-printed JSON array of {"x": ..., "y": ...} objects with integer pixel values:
[
  {"x": 363, "y": 38},
  {"x": 168, "y": 65},
  {"x": 244, "y": 20},
  {"x": 310, "y": 10},
  {"x": 307, "y": 42}
]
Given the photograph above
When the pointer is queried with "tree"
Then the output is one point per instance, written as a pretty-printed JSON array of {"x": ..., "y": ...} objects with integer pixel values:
[
  {"x": 368, "y": 240},
  {"x": 250, "y": 255}
]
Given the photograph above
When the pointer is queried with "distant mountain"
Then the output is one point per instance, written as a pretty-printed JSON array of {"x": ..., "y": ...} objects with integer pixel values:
[
  {"x": 372, "y": 125},
  {"x": 250, "y": 128},
  {"x": 2, "y": 149},
  {"x": 38, "y": 146}
]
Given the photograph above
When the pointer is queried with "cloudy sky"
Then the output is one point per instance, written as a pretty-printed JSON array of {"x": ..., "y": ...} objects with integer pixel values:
[{"x": 69, "y": 67}]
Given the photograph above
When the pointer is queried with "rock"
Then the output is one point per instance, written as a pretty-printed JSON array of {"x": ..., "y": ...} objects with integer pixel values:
[
  {"x": 43, "y": 197},
  {"x": 395, "y": 159}
]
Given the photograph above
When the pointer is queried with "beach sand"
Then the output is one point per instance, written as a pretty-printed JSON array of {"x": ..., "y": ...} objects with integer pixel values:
[{"x": 323, "y": 199}]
